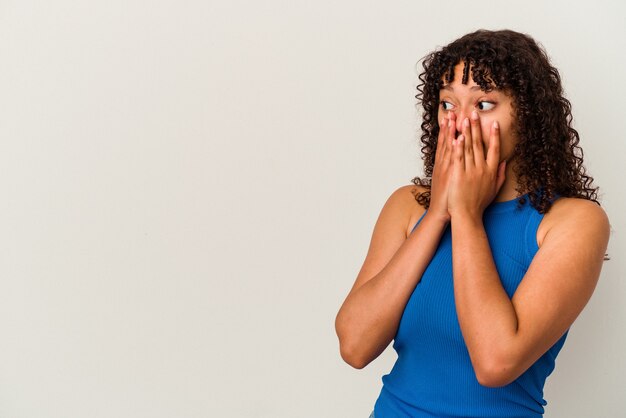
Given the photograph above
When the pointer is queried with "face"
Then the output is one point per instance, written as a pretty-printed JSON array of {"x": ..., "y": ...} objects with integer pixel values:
[{"x": 462, "y": 99}]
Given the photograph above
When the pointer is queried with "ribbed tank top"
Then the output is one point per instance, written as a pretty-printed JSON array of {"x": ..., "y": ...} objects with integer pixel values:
[{"x": 433, "y": 376}]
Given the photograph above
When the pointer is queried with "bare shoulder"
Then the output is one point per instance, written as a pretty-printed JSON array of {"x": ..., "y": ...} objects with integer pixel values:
[
  {"x": 575, "y": 216},
  {"x": 404, "y": 201},
  {"x": 390, "y": 231}
]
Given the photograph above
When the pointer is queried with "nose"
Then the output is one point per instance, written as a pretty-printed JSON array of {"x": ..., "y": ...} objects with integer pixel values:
[{"x": 460, "y": 117}]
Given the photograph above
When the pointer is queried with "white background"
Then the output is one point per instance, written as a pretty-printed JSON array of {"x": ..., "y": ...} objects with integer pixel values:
[{"x": 188, "y": 190}]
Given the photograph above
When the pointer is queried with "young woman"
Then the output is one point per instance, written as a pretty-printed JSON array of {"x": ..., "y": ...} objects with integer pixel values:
[{"x": 478, "y": 270}]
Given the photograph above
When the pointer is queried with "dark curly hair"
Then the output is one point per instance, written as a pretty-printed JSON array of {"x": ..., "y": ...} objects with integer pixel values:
[{"x": 549, "y": 162}]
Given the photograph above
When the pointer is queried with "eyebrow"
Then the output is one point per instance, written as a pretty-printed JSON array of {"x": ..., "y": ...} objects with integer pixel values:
[{"x": 449, "y": 87}]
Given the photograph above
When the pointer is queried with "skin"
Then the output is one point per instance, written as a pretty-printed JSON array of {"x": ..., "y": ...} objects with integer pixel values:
[
  {"x": 466, "y": 110},
  {"x": 473, "y": 168}
]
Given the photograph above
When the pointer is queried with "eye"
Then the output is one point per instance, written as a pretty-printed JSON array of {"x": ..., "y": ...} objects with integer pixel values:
[
  {"x": 485, "y": 105},
  {"x": 446, "y": 105}
]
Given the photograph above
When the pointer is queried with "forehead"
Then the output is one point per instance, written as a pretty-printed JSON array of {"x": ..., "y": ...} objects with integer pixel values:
[
  {"x": 470, "y": 87},
  {"x": 461, "y": 75}
]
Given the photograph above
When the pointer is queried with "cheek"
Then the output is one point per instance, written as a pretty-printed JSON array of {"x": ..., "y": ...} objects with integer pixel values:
[
  {"x": 485, "y": 128},
  {"x": 485, "y": 134},
  {"x": 439, "y": 116}
]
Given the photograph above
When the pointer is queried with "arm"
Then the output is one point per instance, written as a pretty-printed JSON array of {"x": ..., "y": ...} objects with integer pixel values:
[
  {"x": 506, "y": 336},
  {"x": 368, "y": 318}
]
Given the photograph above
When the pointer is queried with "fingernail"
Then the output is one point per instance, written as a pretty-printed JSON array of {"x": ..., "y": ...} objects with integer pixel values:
[
  {"x": 466, "y": 122},
  {"x": 474, "y": 115},
  {"x": 495, "y": 124}
]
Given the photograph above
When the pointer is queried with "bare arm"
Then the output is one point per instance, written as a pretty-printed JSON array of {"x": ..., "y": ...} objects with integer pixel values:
[
  {"x": 505, "y": 336},
  {"x": 368, "y": 319}
]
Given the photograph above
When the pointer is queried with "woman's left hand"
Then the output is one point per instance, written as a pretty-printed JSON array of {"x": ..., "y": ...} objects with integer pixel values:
[{"x": 476, "y": 178}]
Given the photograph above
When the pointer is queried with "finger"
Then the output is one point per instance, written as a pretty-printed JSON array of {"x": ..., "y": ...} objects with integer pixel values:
[
  {"x": 477, "y": 136},
  {"x": 441, "y": 136},
  {"x": 451, "y": 129},
  {"x": 458, "y": 153},
  {"x": 450, "y": 135},
  {"x": 467, "y": 139},
  {"x": 444, "y": 146},
  {"x": 493, "y": 152}
]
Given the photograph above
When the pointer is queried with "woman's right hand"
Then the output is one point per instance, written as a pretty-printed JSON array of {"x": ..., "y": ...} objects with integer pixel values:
[{"x": 442, "y": 169}]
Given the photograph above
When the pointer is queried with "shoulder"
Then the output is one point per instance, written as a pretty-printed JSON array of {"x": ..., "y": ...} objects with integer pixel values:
[
  {"x": 576, "y": 216},
  {"x": 403, "y": 207}
]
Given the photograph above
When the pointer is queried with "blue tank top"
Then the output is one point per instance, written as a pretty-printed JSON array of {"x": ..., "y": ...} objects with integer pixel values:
[{"x": 433, "y": 376}]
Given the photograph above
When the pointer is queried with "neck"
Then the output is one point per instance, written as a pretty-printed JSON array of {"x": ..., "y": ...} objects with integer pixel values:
[{"x": 507, "y": 191}]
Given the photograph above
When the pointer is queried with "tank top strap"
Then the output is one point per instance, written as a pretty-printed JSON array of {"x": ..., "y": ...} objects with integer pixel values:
[
  {"x": 532, "y": 225},
  {"x": 534, "y": 220},
  {"x": 419, "y": 220}
]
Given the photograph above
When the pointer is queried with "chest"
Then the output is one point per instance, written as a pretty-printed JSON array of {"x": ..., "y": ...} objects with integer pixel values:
[{"x": 430, "y": 313}]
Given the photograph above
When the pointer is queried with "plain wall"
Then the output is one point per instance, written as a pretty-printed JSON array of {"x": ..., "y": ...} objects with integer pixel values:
[{"x": 188, "y": 190}]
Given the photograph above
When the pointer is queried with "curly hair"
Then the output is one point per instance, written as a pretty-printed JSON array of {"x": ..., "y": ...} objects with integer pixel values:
[{"x": 549, "y": 162}]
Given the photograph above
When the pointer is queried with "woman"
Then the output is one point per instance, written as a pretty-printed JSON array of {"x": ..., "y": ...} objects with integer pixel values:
[{"x": 478, "y": 271}]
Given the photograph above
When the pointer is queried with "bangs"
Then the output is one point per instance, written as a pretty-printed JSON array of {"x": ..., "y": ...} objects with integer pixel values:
[{"x": 481, "y": 74}]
